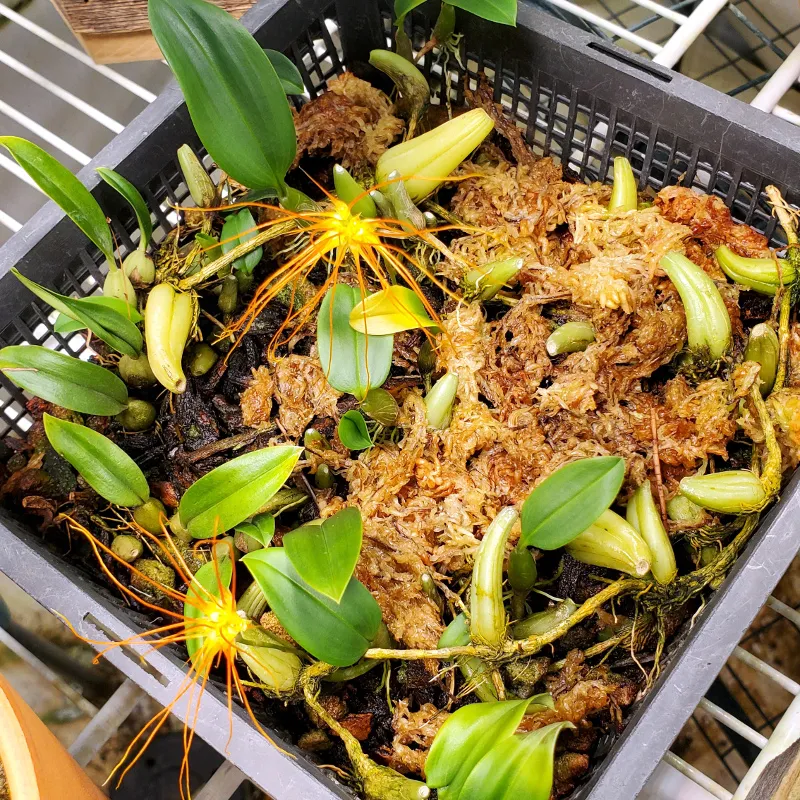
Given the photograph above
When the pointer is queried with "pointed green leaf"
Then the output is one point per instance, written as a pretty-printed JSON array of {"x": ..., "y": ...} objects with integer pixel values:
[
  {"x": 325, "y": 555},
  {"x": 64, "y": 189},
  {"x": 501, "y": 11},
  {"x": 239, "y": 228},
  {"x": 133, "y": 196},
  {"x": 519, "y": 766},
  {"x": 234, "y": 491},
  {"x": 65, "y": 324},
  {"x": 235, "y": 97},
  {"x": 352, "y": 362},
  {"x": 289, "y": 75},
  {"x": 337, "y": 633},
  {"x": 107, "y": 468},
  {"x": 66, "y": 381},
  {"x": 353, "y": 433},
  {"x": 566, "y": 503},
  {"x": 104, "y": 322},
  {"x": 210, "y": 581},
  {"x": 261, "y": 528},
  {"x": 465, "y": 737},
  {"x": 391, "y": 310}
]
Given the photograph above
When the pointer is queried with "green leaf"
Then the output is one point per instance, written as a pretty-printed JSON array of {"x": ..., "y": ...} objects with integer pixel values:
[
  {"x": 210, "y": 581},
  {"x": 104, "y": 322},
  {"x": 239, "y": 228},
  {"x": 66, "y": 381},
  {"x": 391, "y": 310},
  {"x": 566, "y": 503},
  {"x": 465, "y": 737},
  {"x": 210, "y": 244},
  {"x": 64, "y": 189},
  {"x": 352, "y": 362},
  {"x": 404, "y": 7},
  {"x": 65, "y": 324},
  {"x": 235, "y": 97},
  {"x": 337, "y": 633},
  {"x": 353, "y": 433},
  {"x": 261, "y": 528},
  {"x": 234, "y": 491},
  {"x": 107, "y": 468},
  {"x": 287, "y": 72},
  {"x": 502, "y": 11},
  {"x": 133, "y": 196},
  {"x": 325, "y": 555},
  {"x": 518, "y": 766}
]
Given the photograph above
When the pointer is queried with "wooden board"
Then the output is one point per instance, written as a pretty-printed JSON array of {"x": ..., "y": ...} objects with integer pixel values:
[{"x": 113, "y": 31}]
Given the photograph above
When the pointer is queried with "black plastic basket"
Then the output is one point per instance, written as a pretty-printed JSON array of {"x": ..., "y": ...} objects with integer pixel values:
[{"x": 579, "y": 99}]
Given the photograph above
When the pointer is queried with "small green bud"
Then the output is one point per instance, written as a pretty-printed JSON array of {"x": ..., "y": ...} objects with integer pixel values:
[
  {"x": 522, "y": 572},
  {"x": 202, "y": 358},
  {"x": 402, "y": 204},
  {"x": 151, "y": 515},
  {"x": 118, "y": 284},
  {"x": 178, "y": 530},
  {"x": 136, "y": 372},
  {"x": 764, "y": 348},
  {"x": 314, "y": 440},
  {"x": 381, "y": 406},
  {"x": 571, "y": 337},
  {"x": 485, "y": 282},
  {"x": 760, "y": 274},
  {"x": 252, "y": 603},
  {"x": 382, "y": 204},
  {"x": 543, "y": 621},
  {"x": 200, "y": 185},
  {"x": 224, "y": 548},
  {"x": 139, "y": 267},
  {"x": 439, "y": 401},
  {"x": 138, "y": 416},
  {"x": 736, "y": 491},
  {"x": 348, "y": 189},
  {"x": 431, "y": 591},
  {"x": 324, "y": 477},
  {"x": 127, "y": 547},
  {"x": 229, "y": 295},
  {"x": 624, "y": 193},
  {"x": 682, "y": 509},
  {"x": 426, "y": 358}
]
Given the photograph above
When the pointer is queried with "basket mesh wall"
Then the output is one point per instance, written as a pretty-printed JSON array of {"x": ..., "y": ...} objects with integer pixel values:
[{"x": 558, "y": 119}]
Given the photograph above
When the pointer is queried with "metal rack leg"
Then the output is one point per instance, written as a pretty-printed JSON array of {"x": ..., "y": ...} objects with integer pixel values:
[
  {"x": 222, "y": 784},
  {"x": 106, "y": 722}
]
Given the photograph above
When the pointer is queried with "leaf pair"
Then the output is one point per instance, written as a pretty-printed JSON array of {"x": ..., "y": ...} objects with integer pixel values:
[
  {"x": 336, "y": 633},
  {"x": 239, "y": 228},
  {"x": 66, "y": 191},
  {"x": 261, "y": 528},
  {"x": 108, "y": 469},
  {"x": 66, "y": 381},
  {"x": 352, "y": 361},
  {"x": 566, "y": 503},
  {"x": 352, "y": 431},
  {"x": 65, "y": 325},
  {"x": 476, "y": 753},
  {"x": 114, "y": 328},
  {"x": 231, "y": 493},
  {"x": 325, "y": 554}
]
